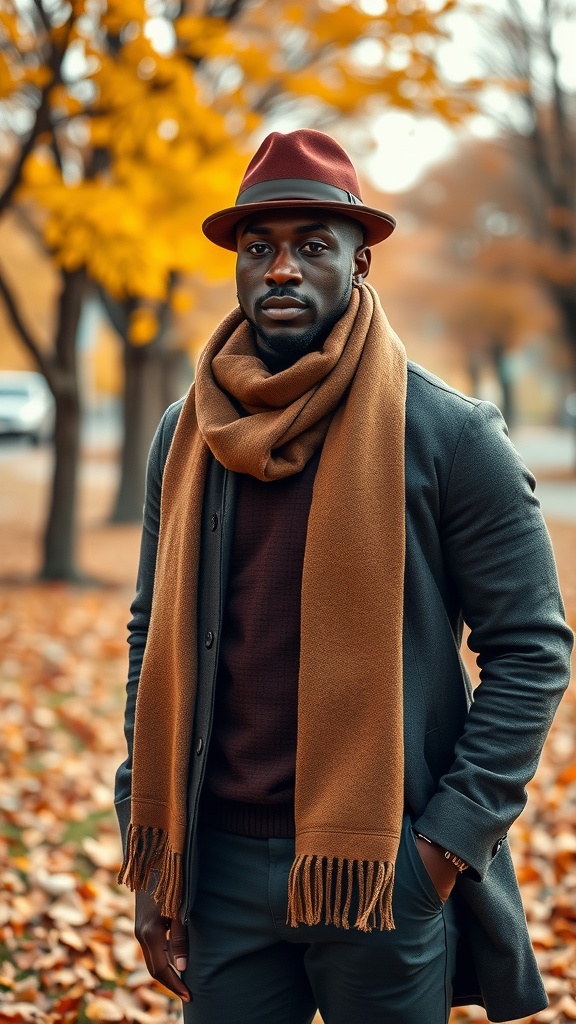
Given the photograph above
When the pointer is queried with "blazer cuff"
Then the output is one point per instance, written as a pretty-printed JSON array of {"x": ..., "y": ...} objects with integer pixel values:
[
  {"x": 124, "y": 812},
  {"x": 465, "y": 828}
]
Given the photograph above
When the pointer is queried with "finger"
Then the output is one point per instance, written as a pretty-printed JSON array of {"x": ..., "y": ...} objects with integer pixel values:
[
  {"x": 153, "y": 943},
  {"x": 168, "y": 977},
  {"x": 179, "y": 943}
]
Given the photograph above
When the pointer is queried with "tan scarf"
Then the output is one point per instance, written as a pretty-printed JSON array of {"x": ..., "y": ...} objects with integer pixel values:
[{"x": 350, "y": 396}]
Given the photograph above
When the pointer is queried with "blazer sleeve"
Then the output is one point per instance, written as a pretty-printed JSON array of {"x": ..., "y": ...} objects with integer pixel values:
[
  {"x": 142, "y": 604},
  {"x": 498, "y": 555}
]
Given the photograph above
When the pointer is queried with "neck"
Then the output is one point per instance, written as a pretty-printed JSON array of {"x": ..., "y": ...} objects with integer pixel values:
[
  {"x": 274, "y": 360},
  {"x": 277, "y": 361}
]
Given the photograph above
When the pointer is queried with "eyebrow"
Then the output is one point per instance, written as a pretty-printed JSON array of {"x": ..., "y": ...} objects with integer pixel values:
[
  {"x": 313, "y": 227},
  {"x": 254, "y": 229}
]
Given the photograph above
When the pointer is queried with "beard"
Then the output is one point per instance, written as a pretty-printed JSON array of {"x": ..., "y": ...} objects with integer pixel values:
[{"x": 291, "y": 345}]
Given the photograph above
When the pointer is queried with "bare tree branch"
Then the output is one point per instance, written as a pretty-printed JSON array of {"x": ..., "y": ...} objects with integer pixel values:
[
  {"x": 41, "y": 120},
  {"x": 540, "y": 149},
  {"x": 40, "y": 125},
  {"x": 64, "y": 119},
  {"x": 20, "y": 213},
  {"x": 565, "y": 154},
  {"x": 44, "y": 364},
  {"x": 228, "y": 9},
  {"x": 43, "y": 16}
]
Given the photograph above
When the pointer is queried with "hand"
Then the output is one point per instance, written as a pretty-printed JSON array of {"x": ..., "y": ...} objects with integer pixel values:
[
  {"x": 442, "y": 872},
  {"x": 164, "y": 942}
]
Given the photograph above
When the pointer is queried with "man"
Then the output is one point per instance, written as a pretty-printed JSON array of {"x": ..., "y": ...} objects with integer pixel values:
[{"x": 314, "y": 809}]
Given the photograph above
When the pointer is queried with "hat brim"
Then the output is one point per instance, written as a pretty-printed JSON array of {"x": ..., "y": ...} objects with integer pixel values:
[{"x": 220, "y": 227}]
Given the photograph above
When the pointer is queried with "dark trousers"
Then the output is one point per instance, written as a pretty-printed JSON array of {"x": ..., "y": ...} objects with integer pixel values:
[{"x": 247, "y": 966}]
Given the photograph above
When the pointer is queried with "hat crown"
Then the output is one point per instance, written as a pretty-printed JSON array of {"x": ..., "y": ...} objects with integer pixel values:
[
  {"x": 298, "y": 170},
  {"x": 302, "y": 154}
]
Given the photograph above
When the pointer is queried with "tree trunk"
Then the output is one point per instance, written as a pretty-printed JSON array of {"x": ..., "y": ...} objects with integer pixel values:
[
  {"x": 153, "y": 378},
  {"x": 60, "y": 534},
  {"x": 474, "y": 363},
  {"x": 502, "y": 370},
  {"x": 567, "y": 305}
]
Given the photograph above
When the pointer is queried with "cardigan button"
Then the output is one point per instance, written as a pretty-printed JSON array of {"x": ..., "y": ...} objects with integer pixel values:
[
  {"x": 214, "y": 522},
  {"x": 209, "y": 638},
  {"x": 200, "y": 745}
]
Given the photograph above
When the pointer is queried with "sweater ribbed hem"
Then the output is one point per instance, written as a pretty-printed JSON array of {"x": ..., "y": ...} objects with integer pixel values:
[{"x": 257, "y": 821}]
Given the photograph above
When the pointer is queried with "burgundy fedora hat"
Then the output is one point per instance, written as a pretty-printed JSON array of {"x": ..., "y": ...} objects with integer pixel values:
[{"x": 304, "y": 168}]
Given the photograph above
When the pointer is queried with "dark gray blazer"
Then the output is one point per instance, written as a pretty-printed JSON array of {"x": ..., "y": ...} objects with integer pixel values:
[{"x": 477, "y": 550}]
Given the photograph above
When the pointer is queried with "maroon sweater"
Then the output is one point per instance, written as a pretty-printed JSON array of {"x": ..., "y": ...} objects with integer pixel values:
[{"x": 249, "y": 786}]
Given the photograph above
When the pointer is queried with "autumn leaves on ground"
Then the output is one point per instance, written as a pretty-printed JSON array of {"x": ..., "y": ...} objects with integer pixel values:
[{"x": 67, "y": 951}]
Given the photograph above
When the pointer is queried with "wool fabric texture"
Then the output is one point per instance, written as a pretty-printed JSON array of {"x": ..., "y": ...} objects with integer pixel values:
[{"x": 348, "y": 397}]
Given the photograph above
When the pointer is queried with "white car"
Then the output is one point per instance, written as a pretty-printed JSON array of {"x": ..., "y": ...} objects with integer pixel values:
[{"x": 26, "y": 406}]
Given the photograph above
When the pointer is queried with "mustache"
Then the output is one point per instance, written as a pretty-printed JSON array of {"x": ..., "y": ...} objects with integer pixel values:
[{"x": 283, "y": 293}]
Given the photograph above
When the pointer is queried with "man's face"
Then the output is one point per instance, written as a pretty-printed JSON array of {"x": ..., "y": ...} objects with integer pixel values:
[{"x": 294, "y": 276}]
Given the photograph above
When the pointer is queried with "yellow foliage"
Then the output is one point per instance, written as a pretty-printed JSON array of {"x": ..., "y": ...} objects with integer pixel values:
[
  {"x": 204, "y": 36},
  {"x": 59, "y": 34},
  {"x": 118, "y": 82},
  {"x": 40, "y": 170},
  {"x": 255, "y": 68},
  {"x": 294, "y": 13},
  {"x": 171, "y": 130},
  {"x": 78, "y": 8},
  {"x": 132, "y": 232},
  {"x": 143, "y": 326},
  {"x": 10, "y": 26},
  {"x": 8, "y": 85},
  {"x": 121, "y": 12},
  {"x": 39, "y": 76},
  {"x": 60, "y": 99},
  {"x": 453, "y": 109},
  {"x": 181, "y": 300},
  {"x": 106, "y": 363},
  {"x": 101, "y": 131},
  {"x": 341, "y": 27}
]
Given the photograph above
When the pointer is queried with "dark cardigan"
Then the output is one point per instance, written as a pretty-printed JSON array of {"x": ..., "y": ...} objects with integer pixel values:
[
  {"x": 251, "y": 763},
  {"x": 477, "y": 550}
]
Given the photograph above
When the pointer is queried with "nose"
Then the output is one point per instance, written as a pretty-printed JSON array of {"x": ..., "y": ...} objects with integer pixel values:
[{"x": 284, "y": 268}]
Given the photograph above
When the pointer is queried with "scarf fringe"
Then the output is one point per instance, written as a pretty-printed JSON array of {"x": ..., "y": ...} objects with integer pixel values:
[
  {"x": 320, "y": 889},
  {"x": 148, "y": 851}
]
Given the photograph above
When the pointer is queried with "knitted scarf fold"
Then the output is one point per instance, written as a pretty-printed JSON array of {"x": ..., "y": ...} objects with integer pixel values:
[{"x": 349, "y": 398}]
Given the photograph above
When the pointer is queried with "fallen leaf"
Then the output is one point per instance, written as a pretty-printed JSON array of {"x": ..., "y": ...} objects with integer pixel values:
[
  {"x": 68, "y": 909},
  {"x": 72, "y": 938},
  {"x": 567, "y": 1006},
  {"x": 55, "y": 884},
  {"x": 24, "y": 1013},
  {"x": 105, "y": 853},
  {"x": 101, "y": 1008}
]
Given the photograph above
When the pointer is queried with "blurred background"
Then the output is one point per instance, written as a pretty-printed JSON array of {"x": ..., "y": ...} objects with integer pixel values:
[{"x": 123, "y": 124}]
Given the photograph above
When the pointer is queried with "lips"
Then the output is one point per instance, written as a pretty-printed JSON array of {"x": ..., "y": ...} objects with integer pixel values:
[
  {"x": 283, "y": 307},
  {"x": 283, "y": 302}
]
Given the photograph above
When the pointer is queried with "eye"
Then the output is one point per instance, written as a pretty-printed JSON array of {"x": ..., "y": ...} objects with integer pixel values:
[
  {"x": 258, "y": 248},
  {"x": 314, "y": 248}
]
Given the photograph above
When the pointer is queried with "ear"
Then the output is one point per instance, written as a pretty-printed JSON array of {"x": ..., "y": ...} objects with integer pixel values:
[{"x": 362, "y": 261}]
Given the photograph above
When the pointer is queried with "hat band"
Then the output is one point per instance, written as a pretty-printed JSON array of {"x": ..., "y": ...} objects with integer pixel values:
[{"x": 295, "y": 188}]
